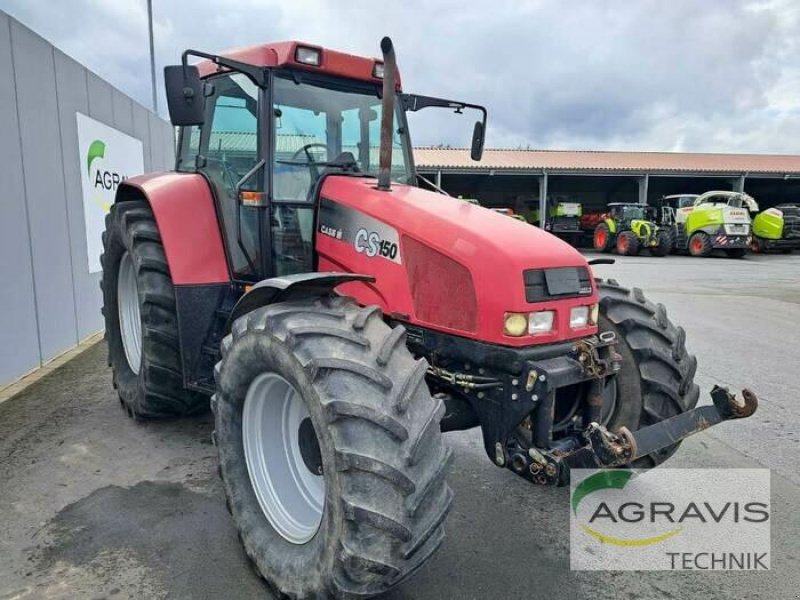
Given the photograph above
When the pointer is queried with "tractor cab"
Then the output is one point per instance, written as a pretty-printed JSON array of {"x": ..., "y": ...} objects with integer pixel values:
[
  {"x": 625, "y": 213},
  {"x": 669, "y": 206},
  {"x": 266, "y": 125}
]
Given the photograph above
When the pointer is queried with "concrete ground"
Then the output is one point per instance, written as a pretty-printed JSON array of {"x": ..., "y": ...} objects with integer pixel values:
[{"x": 94, "y": 505}]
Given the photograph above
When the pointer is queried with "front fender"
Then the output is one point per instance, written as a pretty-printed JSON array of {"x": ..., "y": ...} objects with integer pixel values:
[{"x": 290, "y": 287}]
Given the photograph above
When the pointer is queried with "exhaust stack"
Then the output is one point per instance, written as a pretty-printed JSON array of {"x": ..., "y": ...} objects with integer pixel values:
[{"x": 387, "y": 118}]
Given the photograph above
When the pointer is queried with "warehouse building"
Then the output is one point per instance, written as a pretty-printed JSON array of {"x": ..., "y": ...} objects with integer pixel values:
[{"x": 523, "y": 179}]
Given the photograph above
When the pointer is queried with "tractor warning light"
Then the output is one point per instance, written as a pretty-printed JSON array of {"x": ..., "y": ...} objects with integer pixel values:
[{"x": 308, "y": 56}]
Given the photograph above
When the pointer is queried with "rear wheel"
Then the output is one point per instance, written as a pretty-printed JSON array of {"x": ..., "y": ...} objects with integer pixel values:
[
  {"x": 627, "y": 244},
  {"x": 756, "y": 246},
  {"x": 330, "y": 449},
  {"x": 700, "y": 244},
  {"x": 602, "y": 238},
  {"x": 656, "y": 380},
  {"x": 141, "y": 317}
]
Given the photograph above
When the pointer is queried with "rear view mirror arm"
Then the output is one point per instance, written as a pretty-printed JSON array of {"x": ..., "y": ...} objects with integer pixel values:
[{"x": 413, "y": 103}]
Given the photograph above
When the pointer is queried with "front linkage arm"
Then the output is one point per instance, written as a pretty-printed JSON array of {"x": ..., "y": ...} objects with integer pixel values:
[
  {"x": 606, "y": 449},
  {"x": 626, "y": 446}
]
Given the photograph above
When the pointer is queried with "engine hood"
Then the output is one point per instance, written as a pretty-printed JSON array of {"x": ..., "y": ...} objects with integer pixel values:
[{"x": 459, "y": 257}]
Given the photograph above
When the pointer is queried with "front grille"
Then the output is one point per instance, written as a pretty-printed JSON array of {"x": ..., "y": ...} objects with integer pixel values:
[
  {"x": 791, "y": 226},
  {"x": 552, "y": 284}
]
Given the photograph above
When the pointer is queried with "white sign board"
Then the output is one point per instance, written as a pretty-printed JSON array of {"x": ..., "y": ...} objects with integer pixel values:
[{"x": 107, "y": 157}]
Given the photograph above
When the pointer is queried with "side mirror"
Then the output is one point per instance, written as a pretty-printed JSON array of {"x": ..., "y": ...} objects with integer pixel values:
[
  {"x": 184, "y": 95},
  {"x": 478, "y": 137}
]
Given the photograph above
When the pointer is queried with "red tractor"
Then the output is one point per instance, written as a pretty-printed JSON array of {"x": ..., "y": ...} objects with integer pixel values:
[{"x": 340, "y": 319}]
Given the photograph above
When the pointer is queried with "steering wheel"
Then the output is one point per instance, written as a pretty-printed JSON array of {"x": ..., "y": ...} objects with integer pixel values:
[{"x": 312, "y": 164}]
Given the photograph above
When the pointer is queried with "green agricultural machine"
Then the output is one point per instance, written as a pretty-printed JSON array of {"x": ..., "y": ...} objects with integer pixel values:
[
  {"x": 777, "y": 228},
  {"x": 563, "y": 220},
  {"x": 630, "y": 228},
  {"x": 716, "y": 220}
]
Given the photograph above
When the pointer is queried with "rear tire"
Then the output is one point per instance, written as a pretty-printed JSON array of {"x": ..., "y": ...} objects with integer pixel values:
[
  {"x": 602, "y": 238},
  {"x": 627, "y": 244},
  {"x": 377, "y": 429},
  {"x": 151, "y": 386},
  {"x": 656, "y": 380},
  {"x": 700, "y": 244}
]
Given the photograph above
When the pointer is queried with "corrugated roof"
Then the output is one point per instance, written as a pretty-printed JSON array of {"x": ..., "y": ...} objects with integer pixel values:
[{"x": 457, "y": 159}]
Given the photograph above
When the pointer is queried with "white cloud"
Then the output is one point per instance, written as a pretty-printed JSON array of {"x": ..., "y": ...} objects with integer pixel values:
[{"x": 652, "y": 75}]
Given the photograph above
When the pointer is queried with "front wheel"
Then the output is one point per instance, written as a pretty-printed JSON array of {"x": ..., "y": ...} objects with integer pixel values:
[
  {"x": 663, "y": 244},
  {"x": 627, "y": 244},
  {"x": 700, "y": 244},
  {"x": 331, "y": 454},
  {"x": 656, "y": 379}
]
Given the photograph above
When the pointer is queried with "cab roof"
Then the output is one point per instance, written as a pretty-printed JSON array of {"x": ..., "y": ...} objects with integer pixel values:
[{"x": 284, "y": 54}]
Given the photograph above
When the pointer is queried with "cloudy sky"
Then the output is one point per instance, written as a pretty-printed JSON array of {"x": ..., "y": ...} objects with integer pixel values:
[{"x": 683, "y": 75}]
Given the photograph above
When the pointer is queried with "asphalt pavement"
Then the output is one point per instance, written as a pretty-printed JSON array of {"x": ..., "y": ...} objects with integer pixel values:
[{"x": 95, "y": 505}]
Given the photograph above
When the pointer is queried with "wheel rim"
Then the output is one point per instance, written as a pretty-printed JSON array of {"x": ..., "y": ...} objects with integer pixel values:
[
  {"x": 280, "y": 457},
  {"x": 599, "y": 239},
  {"x": 697, "y": 245},
  {"x": 130, "y": 322},
  {"x": 623, "y": 245}
]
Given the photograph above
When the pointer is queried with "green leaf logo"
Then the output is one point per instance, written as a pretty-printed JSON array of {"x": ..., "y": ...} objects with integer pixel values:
[
  {"x": 613, "y": 479},
  {"x": 97, "y": 149},
  {"x": 602, "y": 480}
]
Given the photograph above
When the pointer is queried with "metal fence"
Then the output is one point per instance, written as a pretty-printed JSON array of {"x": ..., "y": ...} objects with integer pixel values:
[{"x": 49, "y": 301}]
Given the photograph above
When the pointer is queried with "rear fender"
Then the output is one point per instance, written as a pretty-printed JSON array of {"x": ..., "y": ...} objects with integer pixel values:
[
  {"x": 290, "y": 287},
  {"x": 183, "y": 206}
]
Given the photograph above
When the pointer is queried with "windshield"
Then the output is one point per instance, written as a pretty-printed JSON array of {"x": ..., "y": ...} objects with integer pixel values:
[
  {"x": 632, "y": 212},
  {"x": 316, "y": 124}
]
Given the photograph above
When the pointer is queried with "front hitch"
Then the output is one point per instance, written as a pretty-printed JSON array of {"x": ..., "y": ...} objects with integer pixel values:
[
  {"x": 614, "y": 450},
  {"x": 607, "y": 449}
]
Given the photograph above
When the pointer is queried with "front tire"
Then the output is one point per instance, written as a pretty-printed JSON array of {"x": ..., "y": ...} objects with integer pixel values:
[
  {"x": 656, "y": 380},
  {"x": 700, "y": 244},
  {"x": 627, "y": 244},
  {"x": 141, "y": 317},
  {"x": 378, "y": 440},
  {"x": 664, "y": 245}
]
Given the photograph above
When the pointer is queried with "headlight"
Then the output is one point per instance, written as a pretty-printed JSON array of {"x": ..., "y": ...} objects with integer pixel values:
[
  {"x": 515, "y": 324},
  {"x": 540, "y": 322},
  {"x": 578, "y": 317}
]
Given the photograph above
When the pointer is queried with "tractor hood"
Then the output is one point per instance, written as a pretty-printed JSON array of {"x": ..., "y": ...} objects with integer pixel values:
[{"x": 446, "y": 264}]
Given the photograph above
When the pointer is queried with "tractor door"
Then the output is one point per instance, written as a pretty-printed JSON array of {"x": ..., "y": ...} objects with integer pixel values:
[{"x": 225, "y": 149}]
